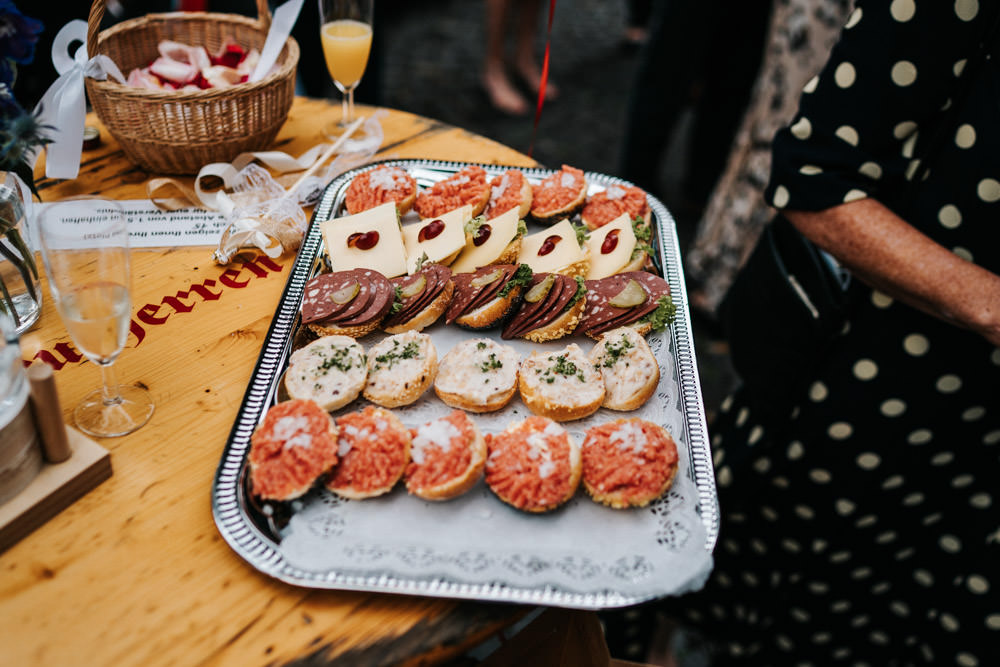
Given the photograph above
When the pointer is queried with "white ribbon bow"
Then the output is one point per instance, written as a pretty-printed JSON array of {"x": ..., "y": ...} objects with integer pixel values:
[{"x": 64, "y": 106}]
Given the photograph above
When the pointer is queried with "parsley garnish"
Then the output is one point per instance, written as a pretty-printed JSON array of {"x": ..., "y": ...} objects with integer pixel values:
[
  {"x": 582, "y": 233},
  {"x": 564, "y": 367},
  {"x": 472, "y": 226},
  {"x": 480, "y": 345},
  {"x": 664, "y": 314},
  {"x": 522, "y": 229},
  {"x": 397, "y": 300},
  {"x": 423, "y": 260},
  {"x": 581, "y": 289},
  {"x": 341, "y": 359},
  {"x": 491, "y": 364},
  {"x": 613, "y": 352},
  {"x": 521, "y": 277},
  {"x": 410, "y": 351},
  {"x": 643, "y": 235}
]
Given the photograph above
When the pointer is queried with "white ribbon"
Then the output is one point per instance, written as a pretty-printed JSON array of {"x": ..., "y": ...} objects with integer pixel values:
[
  {"x": 64, "y": 107},
  {"x": 281, "y": 27}
]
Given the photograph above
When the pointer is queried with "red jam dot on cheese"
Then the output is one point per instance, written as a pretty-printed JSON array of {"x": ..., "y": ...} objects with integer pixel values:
[
  {"x": 362, "y": 240},
  {"x": 430, "y": 230},
  {"x": 482, "y": 235},
  {"x": 610, "y": 242},
  {"x": 548, "y": 245}
]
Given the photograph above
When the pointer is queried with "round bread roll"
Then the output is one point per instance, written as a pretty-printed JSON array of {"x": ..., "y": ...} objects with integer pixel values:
[
  {"x": 447, "y": 457},
  {"x": 379, "y": 185},
  {"x": 628, "y": 366},
  {"x": 400, "y": 369},
  {"x": 533, "y": 465},
  {"x": 562, "y": 385},
  {"x": 559, "y": 196},
  {"x": 478, "y": 375},
  {"x": 628, "y": 462},
  {"x": 508, "y": 190},
  {"x": 330, "y": 370},
  {"x": 294, "y": 444},
  {"x": 374, "y": 448},
  {"x": 466, "y": 186}
]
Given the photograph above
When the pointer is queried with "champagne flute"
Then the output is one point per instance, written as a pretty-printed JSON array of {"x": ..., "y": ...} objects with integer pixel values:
[
  {"x": 346, "y": 34},
  {"x": 86, "y": 255}
]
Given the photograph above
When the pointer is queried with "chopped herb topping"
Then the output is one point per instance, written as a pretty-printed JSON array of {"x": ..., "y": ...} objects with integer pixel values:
[
  {"x": 562, "y": 367},
  {"x": 339, "y": 359},
  {"x": 397, "y": 300},
  {"x": 614, "y": 351},
  {"x": 480, "y": 345},
  {"x": 410, "y": 351},
  {"x": 664, "y": 314},
  {"x": 521, "y": 277},
  {"x": 491, "y": 364}
]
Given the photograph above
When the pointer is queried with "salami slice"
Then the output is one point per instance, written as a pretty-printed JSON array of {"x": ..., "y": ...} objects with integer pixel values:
[
  {"x": 316, "y": 303},
  {"x": 380, "y": 301},
  {"x": 529, "y": 313},
  {"x": 556, "y": 308}
]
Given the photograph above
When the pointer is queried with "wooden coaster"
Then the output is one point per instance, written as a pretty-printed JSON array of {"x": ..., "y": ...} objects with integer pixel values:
[{"x": 55, "y": 488}]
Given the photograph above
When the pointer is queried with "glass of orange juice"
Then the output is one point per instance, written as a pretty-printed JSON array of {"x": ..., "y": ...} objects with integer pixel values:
[{"x": 346, "y": 34}]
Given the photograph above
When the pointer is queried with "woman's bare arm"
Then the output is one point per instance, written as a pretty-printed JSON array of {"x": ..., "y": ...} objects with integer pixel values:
[{"x": 886, "y": 252}]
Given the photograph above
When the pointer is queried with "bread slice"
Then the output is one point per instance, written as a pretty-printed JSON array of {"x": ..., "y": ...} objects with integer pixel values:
[
  {"x": 330, "y": 371},
  {"x": 562, "y": 385},
  {"x": 400, "y": 369},
  {"x": 429, "y": 314},
  {"x": 374, "y": 449},
  {"x": 542, "y": 212},
  {"x": 358, "y": 331},
  {"x": 526, "y": 462},
  {"x": 438, "y": 450},
  {"x": 491, "y": 313},
  {"x": 510, "y": 253},
  {"x": 628, "y": 462},
  {"x": 478, "y": 375},
  {"x": 630, "y": 371},
  {"x": 563, "y": 325}
]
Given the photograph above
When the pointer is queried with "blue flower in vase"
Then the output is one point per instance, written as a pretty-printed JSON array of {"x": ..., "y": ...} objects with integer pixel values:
[{"x": 18, "y": 36}]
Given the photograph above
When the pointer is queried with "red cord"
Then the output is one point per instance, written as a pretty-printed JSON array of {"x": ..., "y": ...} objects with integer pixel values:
[{"x": 545, "y": 77}]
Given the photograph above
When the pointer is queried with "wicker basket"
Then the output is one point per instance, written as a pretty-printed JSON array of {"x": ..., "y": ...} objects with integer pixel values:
[{"x": 179, "y": 132}]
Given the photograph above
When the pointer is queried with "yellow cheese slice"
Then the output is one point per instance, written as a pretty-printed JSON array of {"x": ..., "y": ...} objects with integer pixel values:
[
  {"x": 444, "y": 245},
  {"x": 565, "y": 253},
  {"x": 503, "y": 229},
  {"x": 387, "y": 256},
  {"x": 604, "y": 265}
]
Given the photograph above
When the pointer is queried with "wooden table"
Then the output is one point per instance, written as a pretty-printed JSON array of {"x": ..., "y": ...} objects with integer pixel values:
[{"x": 135, "y": 572}]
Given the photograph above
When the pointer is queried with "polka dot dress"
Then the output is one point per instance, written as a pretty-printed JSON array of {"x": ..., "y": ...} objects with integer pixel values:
[{"x": 866, "y": 529}]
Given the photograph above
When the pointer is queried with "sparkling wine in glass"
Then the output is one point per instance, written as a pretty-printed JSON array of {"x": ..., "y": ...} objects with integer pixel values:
[
  {"x": 86, "y": 254},
  {"x": 346, "y": 34}
]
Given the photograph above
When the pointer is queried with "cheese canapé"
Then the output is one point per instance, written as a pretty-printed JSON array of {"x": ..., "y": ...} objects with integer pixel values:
[
  {"x": 610, "y": 247},
  {"x": 367, "y": 240},
  {"x": 551, "y": 250},
  {"x": 502, "y": 230},
  {"x": 436, "y": 238}
]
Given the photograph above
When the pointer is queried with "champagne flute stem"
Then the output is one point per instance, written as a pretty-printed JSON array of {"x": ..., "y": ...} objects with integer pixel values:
[
  {"x": 111, "y": 395},
  {"x": 348, "y": 112}
]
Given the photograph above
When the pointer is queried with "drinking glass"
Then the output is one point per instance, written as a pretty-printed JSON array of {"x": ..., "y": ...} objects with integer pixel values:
[
  {"x": 86, "y": 256},
  {"x": 346, "y": 33}
]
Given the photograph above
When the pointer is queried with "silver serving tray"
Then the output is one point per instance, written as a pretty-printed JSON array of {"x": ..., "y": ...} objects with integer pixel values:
[{"x": 254, "y": 531}]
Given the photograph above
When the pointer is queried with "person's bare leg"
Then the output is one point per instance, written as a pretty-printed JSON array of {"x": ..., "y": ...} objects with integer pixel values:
[
  {"x": 502, "y": 93},
  {"x": 525, "y": 62}
]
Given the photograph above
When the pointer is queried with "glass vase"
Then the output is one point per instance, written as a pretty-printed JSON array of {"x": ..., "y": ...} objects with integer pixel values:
[{"x": 20, "y": 292}]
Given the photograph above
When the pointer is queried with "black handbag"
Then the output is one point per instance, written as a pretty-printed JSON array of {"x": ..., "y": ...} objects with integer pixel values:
[{"x": 787, "y": 304}]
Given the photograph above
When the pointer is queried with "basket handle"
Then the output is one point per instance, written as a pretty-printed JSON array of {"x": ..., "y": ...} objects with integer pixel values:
[{"x": 97, "y": 14}]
